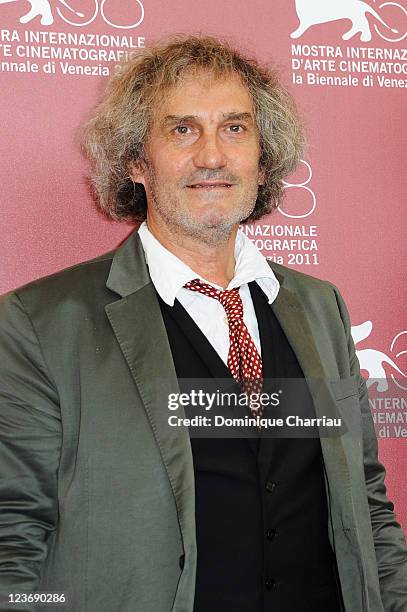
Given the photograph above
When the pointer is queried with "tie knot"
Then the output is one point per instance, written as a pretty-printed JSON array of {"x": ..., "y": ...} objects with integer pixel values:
[{"x": 229, "y": 298}]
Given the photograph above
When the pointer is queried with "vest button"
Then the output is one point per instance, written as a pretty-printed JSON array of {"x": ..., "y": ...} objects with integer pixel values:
[
  {"x": 270, "y": 584},
  {"x": 271, "y": 534},
  {"x": 182, "y": 561},
  {"x": 270, "y": 486}
]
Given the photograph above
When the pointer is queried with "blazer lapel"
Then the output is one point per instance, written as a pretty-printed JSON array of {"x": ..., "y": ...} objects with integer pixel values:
[
  {"x": 294, "y": 322},
  {"x": 139, "y": 328}
]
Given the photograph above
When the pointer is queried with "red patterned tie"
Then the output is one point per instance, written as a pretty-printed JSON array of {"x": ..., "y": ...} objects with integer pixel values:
[{"x": 244, "y": 361}]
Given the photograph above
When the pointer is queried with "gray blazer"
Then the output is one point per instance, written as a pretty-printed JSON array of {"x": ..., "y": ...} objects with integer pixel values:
[{"x": 97, "y": 500}]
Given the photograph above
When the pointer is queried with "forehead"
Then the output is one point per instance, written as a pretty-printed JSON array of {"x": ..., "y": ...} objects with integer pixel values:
[{"x": 202, "y": 94}]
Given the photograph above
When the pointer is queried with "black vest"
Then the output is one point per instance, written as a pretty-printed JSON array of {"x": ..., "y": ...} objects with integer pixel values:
[{"x": 261, "y": 510}]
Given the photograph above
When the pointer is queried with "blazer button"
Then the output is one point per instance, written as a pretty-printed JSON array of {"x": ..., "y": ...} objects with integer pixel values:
[
  {"x": 271, "y": 534},
  {"x": 270, "y": 486},
  {"x": 270, "y": 584},
  {"x": 182, "y": 561}
]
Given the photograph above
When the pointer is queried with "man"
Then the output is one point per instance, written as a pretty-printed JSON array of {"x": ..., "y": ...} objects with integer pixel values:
[{"x": 100, "y": 501}]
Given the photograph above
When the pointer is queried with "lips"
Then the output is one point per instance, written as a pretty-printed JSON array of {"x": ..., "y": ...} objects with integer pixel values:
[{"x": 210, "y": 186}]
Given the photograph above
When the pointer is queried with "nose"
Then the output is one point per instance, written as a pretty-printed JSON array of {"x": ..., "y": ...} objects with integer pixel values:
[{"x": 209, "y": 152}]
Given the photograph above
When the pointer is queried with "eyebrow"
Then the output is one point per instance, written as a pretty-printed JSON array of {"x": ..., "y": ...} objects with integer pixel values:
[{"x": 236, "y": 116}]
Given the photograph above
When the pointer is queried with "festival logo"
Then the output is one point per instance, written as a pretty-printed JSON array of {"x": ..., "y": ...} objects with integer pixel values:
[
  {"x": 386, "y": 381},
  {"x": 71, "y": 51},
  {"x": 303, "y": 185},
  {"x": 90, "y": 9},
  {"x": 316, "y": 13},
  {"x": 38, "y": 8},
  {"x": 292, "y": 241},
  {"x": 373, "y": 361},
  {"x": 353, "y": 64}
]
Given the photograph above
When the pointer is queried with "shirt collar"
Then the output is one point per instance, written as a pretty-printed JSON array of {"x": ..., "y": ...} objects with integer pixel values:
[{"x": 169, "y": 274}]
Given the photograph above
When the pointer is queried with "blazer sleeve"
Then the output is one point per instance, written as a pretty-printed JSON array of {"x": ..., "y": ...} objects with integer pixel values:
[
  {"x": 30, "y": 441},
  {"x": 389, "y": 541}
]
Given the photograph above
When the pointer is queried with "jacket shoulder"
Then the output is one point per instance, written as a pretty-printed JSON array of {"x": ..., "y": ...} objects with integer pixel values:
[
  {"x": 87, "y": 277},
  {"x": 296, "y": 279}
]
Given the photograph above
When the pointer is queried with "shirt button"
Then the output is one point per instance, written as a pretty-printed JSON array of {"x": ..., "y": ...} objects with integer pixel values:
[
  {"x": 182, "y": 561},
  {"x": 270, "y": 584},
  {"x": 271, "y": 534},
  {"x": 270, "y": 486}
]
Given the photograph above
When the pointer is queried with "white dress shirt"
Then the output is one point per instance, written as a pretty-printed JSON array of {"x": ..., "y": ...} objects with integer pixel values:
[{"x": 169, "y": 275}]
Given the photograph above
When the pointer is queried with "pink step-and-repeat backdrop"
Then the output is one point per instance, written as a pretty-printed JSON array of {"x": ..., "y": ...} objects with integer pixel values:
[{"x": 344, "y": 215}]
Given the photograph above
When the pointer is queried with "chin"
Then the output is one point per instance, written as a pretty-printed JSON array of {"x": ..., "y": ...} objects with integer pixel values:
[
  {"x": 215, "y": 219},
  {"x": 214, "y": 213}
]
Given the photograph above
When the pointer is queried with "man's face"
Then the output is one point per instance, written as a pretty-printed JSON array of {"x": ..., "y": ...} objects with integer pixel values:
[{"x": 201, "y": 173}]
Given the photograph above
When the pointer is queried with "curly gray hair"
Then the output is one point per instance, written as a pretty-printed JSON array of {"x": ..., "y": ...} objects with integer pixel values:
[{"x": 113, "y": 139}]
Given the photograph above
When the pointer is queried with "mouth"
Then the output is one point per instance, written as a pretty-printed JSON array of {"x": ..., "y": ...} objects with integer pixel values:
[{"x": 210, "y": 185}]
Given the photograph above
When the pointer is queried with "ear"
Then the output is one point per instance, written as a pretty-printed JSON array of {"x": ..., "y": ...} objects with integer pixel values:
[{"x": 137, "y": 172}]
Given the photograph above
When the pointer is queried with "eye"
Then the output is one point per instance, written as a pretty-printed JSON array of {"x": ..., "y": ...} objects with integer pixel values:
[
  {"x": 181, "y": 129},
  {"x": 236, "y": 128}
]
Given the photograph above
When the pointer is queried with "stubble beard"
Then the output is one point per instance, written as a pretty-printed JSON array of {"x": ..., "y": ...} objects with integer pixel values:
[{"x": 214, "y": 231}]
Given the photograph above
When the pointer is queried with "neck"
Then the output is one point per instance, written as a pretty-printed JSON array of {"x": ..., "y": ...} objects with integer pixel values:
[{"x": 214, "y": 262}]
